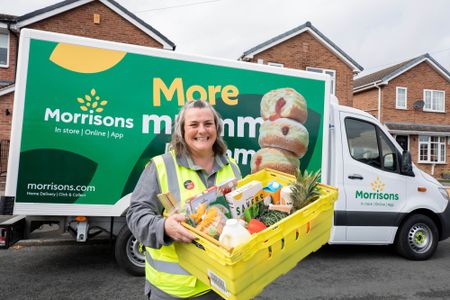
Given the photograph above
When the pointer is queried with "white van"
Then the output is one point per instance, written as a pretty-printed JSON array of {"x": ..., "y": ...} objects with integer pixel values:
[{"x": 383, "y": 197}]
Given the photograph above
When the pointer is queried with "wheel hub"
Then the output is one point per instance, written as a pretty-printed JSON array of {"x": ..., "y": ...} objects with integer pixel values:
[
  {"x": 135, "y": 252},
  {"x": 420, "y": 238}
]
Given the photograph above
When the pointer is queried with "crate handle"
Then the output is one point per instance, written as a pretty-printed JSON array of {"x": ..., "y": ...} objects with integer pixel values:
[{"x": 198, "y": 245}]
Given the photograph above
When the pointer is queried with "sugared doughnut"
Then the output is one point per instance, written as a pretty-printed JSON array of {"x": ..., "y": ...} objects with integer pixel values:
[
  {"x": 284, "y": 103},
  {"x": 276, "y": 159},
  {"x": 286, "y": 134}
]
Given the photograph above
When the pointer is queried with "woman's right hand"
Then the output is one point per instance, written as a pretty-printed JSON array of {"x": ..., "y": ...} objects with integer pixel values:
[{"x": 174, "y": 229}]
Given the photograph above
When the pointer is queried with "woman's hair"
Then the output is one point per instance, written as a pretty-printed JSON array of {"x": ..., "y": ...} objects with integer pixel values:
[{"x": 179, "y": 144}]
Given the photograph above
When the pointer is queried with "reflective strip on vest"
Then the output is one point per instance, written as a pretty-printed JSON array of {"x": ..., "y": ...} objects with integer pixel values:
[{"x": 164, "y": 266}]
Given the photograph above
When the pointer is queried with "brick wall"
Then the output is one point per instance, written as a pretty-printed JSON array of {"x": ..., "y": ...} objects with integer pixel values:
[
  {"x": 6, "y": 102},
  {"x": 304, "y": 50},
  {"x": 367, "y": 101},
  {"x": 113, "y": 27},
  {"x": 421, "y": 77},
  {"x": 9, "y": 73}
]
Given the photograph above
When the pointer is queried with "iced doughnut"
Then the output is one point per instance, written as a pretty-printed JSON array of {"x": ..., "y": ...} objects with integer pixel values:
[
  {"x": 276, "y": 159},
  {"x": 286, "y": 134},
  {"x": 284, "y": 103}
]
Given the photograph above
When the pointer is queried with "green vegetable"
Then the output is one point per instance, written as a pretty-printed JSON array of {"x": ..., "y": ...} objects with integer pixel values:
[{"x": 271, "y": 217}]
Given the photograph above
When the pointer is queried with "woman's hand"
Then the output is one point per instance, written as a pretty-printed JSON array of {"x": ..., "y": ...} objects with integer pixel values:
[{"x": 174, "y": 229}]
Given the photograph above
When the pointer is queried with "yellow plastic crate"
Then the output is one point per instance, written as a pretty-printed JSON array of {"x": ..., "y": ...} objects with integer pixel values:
[{"x": 246, "y": 270}]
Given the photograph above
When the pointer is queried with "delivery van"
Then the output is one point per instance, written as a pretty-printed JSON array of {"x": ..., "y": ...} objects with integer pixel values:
[{"x": 89, "y": 115}]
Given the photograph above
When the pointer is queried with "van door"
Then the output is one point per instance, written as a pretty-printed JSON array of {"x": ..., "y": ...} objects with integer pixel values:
[{"x": 374, "y": 189}]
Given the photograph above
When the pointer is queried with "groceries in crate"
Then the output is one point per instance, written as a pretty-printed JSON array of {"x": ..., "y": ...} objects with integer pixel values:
[{"x": 247, "y": 210}]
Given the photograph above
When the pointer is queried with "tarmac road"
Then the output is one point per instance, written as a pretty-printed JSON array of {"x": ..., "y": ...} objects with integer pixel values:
[{"x": 88, "y": 271}]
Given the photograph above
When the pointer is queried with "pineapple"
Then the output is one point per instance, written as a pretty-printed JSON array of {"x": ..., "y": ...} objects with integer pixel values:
[{"x": 304, "y": 189}]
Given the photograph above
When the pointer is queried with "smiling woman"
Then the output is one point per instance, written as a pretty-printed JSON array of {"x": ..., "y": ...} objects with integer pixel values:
[{"x": 197, "y": 160}]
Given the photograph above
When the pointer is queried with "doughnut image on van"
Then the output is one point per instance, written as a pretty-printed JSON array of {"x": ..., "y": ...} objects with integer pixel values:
[{"x": 282, "y": 137}]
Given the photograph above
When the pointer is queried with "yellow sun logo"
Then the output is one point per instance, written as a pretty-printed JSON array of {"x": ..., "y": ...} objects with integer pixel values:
[
  {"x": 92, "y": 102},
  {"x": 377, "y": 185}
]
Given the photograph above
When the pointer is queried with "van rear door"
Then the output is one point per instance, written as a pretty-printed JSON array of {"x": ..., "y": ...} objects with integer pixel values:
[{"x": 374, "y": 189}]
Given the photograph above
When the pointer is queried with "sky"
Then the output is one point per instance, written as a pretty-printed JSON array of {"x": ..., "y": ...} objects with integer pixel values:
[{"x": 374, "y": 33}]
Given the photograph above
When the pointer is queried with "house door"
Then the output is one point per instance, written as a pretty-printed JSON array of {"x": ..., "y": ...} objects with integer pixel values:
[{"x": 402, "y": 140}]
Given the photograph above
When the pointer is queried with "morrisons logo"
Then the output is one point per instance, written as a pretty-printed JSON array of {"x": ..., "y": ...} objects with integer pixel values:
[
  {"x": 376, "y": 193},
  {"x": 92, "y": 105}
]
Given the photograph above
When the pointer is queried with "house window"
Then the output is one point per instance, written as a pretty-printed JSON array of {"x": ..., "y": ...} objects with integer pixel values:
[
  {"x": 332, "y": 73},
  {"x": 400, "y": 98},
  {"x": 4, "y": 48},
  {"x": 275, "y": 64},
  {"x": 431, "y": 149},
  {"x": 434, "y": 100}
]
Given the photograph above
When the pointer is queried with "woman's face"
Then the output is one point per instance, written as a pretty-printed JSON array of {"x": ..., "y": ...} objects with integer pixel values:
[{"x": 200, "y": 131}]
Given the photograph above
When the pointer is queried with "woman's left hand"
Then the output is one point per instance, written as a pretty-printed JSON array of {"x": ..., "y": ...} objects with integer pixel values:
[{"x": 174, "y": 229}]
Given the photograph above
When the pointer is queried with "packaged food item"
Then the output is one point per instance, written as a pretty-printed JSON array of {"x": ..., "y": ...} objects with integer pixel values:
[
  {"x": 273, "y": 190},
  {"x": 206, "y": 197},
  {"x": 212, "y": 222},
  {"x": 281, "y": 207},
  {"x": 285, "y": 196},
  {"x": 227, "y": 186},
  {"x": 234, "y": 234},
  {"x": 169, "y": 202},
  {"x": 243, "y": 197}
]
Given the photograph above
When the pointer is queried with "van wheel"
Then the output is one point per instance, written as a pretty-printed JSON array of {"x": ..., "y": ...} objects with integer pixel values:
[
  {"x": 130, "y": 253},
  {"x": 417, "y": 238}
]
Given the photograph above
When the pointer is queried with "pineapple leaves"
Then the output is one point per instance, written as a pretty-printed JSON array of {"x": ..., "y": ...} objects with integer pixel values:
[{"x": 304, "y": 189}]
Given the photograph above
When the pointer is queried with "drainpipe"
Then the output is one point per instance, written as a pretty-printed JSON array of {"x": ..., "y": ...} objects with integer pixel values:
[
  {"x": 17, "y": 49},
  {"x": 379, "y": 102}
]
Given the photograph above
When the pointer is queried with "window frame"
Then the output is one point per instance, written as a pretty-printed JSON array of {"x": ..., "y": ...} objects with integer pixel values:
[
  {"x": 6, "y": 32},
  {"x": 274, "y": 64},
  {"x": 429, "y": 143},
  {"x": 378, "y": 133},
  {"x": 430, "y": 109},
  {"x": 323, "y": 71},
  {"x": 397, "y": 89}
]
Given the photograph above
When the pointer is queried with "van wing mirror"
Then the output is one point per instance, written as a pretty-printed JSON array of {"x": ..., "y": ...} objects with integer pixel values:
[{"x": 406, "y": 164}]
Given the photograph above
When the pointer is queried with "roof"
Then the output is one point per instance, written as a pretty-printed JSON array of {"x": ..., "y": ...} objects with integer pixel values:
[
  {"x": 296, "y": 31},
  {"x": 382, "y": 77},
  {"x": 64, "y": 6},
  {"x": 414, "y": 128}
]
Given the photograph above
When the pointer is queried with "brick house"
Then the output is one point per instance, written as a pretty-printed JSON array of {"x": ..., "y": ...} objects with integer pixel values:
[
  {"x": 412, "y": 100},
  {"x": 100, "y": 19},
  {"x": 306, "y": 48}
]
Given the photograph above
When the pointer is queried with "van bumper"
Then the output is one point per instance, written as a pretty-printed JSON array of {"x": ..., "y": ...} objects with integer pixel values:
[{"x": 444, "y": 217}]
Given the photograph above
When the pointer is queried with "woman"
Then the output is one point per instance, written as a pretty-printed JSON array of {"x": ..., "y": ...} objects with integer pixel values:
[{"x": 197, "y": 160}]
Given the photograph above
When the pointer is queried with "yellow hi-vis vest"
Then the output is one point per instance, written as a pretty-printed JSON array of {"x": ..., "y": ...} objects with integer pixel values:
[{"x": 161, "y": 265}]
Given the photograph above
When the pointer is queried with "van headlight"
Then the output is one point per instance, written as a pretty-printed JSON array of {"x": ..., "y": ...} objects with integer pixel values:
[{"x": 444, "y": 193}]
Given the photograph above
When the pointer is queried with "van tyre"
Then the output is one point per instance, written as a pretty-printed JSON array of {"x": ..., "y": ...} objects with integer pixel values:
[
  {"x": 417, "y": 238},
  {"x": 129, "y": 253}
]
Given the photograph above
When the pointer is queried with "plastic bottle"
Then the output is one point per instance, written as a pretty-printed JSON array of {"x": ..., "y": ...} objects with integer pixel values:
[{"x": 233, "y": 233}]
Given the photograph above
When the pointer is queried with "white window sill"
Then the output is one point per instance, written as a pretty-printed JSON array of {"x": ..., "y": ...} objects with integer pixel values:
[
  {"x": 401, "y": 108},
  {"x": 434, "y": 111},
  {"x": 431, "y": 163}
]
